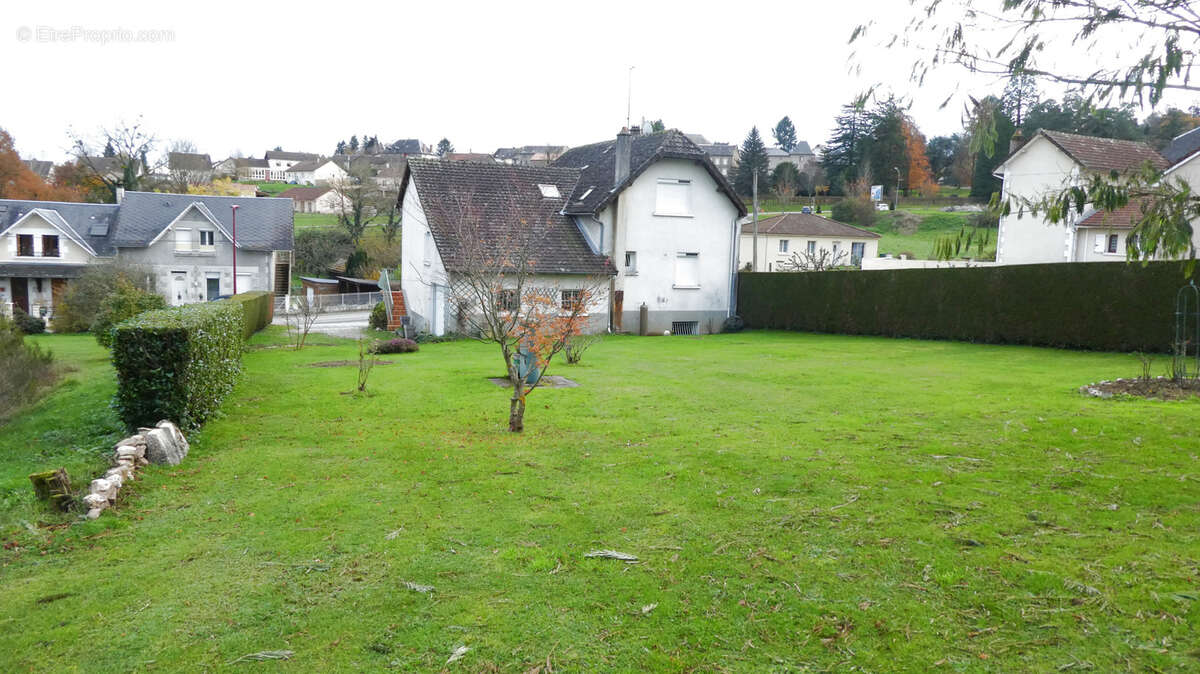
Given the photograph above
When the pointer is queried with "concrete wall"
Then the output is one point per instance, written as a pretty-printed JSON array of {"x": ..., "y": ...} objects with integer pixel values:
[
  {"x": 658, "y": 240},
  {"x": 769, "y": 257},
  {"x": 177, "y": 255},
  {"x": 1041, "y": 169}
]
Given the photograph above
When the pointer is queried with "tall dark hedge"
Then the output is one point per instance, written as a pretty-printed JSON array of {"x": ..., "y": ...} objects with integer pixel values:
[
  {"x": 1097, "y": 305},
  {"x": 177, "y": 364},
  {"x": 258, "y": 307}
]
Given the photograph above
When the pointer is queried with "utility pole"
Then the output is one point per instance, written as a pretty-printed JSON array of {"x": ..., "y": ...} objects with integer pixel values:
[
  {"x": 896, "y": 201},
  {"x": 754, "y": 191},
  {"x": 234, "y": 209}
]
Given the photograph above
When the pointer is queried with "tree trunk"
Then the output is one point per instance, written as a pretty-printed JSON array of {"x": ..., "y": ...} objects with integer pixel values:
[{"x": 516, "y": 408}]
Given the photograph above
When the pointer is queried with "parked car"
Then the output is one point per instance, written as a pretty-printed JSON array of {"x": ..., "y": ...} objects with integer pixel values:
[{"x": 806, "y": 209}]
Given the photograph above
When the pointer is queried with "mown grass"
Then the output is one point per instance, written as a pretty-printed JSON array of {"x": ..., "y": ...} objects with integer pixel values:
[{"x": 795, "y": 500}]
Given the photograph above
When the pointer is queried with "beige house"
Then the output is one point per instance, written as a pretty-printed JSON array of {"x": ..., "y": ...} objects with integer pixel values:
[
  {"x": 313, "y": 199},
  {"x": 789, "y": 240}
]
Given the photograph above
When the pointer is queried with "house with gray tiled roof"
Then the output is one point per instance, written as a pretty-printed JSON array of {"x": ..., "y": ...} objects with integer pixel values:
[
  {"x": 41, "y": 168},
  {"x": 648, "y": 212},
  {"x": 184, "y": 242},
  {"x": 1052, "y": 161},
  {"x": 801, "y": 156}
]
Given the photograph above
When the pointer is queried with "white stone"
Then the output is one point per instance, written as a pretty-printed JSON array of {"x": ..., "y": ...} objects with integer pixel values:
[
  {"x": 104, "y": 488},
  {"x": 174, "y": 430},
  {"x": 93, "y": 513},
  {"x": 95, "y": 501},
  {"x": 162, "y": 447}
]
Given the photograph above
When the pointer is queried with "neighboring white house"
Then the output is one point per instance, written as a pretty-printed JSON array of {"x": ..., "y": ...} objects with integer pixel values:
[
  {"x": 279, "y": 161},
  {"x": 314, "y": 172},
  {"x": 651, "y": 212},
  {"x": 313, "y": 199},
  {"x": 1050, "y": 162},
  {"x": 183, "y": 241},
  {"x": 784, "y": 240}
]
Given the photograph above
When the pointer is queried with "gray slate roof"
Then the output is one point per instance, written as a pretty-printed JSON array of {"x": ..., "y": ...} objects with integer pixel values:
[
  {"x": 1183, "y": 146},
  {"x": 263, "y": 223},
  {"x": 40, "y": 167},
  {"x": 718, "y": 149},
  {"x": 508, "y": 200},
  {"x": 597, "y": 167},
  {"x": 29, "y": 270},
  {"x": 188, "y": 161},
  {"x": 290, "y": 156},
  {"x": 92, "y": 223},
  {"x": 1105, "y": 154},
  {"x": 405, "y": 146}
]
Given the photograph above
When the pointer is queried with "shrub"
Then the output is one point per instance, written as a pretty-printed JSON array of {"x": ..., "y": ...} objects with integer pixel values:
[
  {"x": 177, "y": 364},
  {"x": 378, "y": 319},
  {"x": 258, "y": 308},
  {"x": 398, "y": 345},
  {"x": 1094, "y": 305},
  {"x": 859, "y": 212},
  {"x": 79, "y": 306},
  {"x": 576, "y": 345},
  {"x": 25, "y": 369},
  {"x": 30, "y": 325},
  {"x": 124, "y": 302},
  {"x": 318, "y": 249}
]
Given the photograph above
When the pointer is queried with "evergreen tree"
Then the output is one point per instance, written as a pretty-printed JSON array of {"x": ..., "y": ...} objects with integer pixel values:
[
  {"x": 109, "y": 150},
  {"x": 353, "y": 144},
  {"x": 753, "y": 159},
  {"x": 657, "y": 126},
  {"x": 1020, "y": 95},
  {"x": 341, "y": 147},
  {"x": 444, "y": 145},
  {"x": 785, "y": 134},
  {"x": 886, "y": 146},
  {"x": 843, "y": 155},
  {"x": 940, "y": 151}
]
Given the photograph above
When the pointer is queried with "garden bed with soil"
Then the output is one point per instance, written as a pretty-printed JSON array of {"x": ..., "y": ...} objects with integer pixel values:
[{"x": 1158, "y": 388}]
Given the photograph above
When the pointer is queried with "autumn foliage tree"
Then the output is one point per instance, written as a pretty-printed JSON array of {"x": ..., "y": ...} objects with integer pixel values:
[
  {"x": 920, "y": 176},
  {"x": 18, "y": 182},
  {"x": 497, "y": 293}
]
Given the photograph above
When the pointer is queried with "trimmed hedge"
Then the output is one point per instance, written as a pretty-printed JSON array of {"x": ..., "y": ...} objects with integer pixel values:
[
  {"x": 259, "y": 309},
  {"x": 1097, "y": 305},
  {"x": 177, "y": 364}
]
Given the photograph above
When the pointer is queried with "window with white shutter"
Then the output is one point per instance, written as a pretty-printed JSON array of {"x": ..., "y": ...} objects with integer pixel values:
[
  {"x": 673, "y": 197},
  {"x": 687, "y": 270}
]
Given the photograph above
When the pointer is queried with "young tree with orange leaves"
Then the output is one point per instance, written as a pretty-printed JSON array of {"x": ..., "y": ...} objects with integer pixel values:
[{"x": 499, "y": 294}]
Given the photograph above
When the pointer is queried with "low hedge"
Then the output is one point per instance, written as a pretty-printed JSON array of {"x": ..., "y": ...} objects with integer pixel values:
[
  {"x": 1097, "y": 305},
  {"x": 178, "y": 363},
  {"x": 259, "y": 309}
]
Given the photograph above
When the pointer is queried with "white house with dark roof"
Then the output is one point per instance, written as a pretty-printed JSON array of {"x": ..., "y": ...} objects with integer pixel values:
[
  {"x": 783, "y": 237},
  {"x": 319, "y": 199},
  {"x": 279, "y": 161},
  {"x": 184, "y": 241},
  {"x": 315, "y": 172},
  {"x": 650, "y": 212},
  {"x": 1052, "y": 161}
]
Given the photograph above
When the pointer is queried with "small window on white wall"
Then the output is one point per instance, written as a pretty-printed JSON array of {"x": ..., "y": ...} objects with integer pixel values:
[
  {"x": 687, "y": 270},
  {"x": 183, "y": 239},
  {"x": 783, "y": 245},
  {"x": 673, "y": 198},
  {"x": 812, "y": 247},
  {"x": 207, "y": 238},
  {"x": 630, "y": 262}
]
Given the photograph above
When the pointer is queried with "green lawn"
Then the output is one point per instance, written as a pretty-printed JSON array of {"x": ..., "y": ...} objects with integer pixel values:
[{"x": 796, "y": 501}]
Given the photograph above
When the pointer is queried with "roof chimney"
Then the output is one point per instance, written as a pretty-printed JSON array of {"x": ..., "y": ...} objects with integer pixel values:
[
  {"x": 120, "y": 194},
  {"x": 1015, "y": 143},
  {"x": 622, "y": 156}
]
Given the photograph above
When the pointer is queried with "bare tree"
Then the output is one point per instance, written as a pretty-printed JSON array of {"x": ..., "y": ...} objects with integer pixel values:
[
  {"x": 128, "y": 165},
  {"x": 498, "y": 294},
  {"x": 301, "y": 316},
  {"x": 821, "y": 259},
  {"x": 357, "y": 198},
  {"x": 388, "y": 205}
]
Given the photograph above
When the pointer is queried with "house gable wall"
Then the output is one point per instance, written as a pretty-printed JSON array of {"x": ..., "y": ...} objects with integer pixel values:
[
  {"x": 422, "y": 274},
  {"x": 37, "y": 226},
  {"x": 1039, "y": 170}
]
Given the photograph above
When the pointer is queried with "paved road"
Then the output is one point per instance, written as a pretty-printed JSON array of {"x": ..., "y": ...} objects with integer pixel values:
[{"x": 336, "y": 323}]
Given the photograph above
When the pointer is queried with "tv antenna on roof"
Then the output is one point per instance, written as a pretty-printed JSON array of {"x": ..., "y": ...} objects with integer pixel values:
[{"x": 629, "y": 98}]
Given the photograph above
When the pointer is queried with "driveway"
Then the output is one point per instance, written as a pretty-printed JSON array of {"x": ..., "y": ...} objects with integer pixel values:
[{"x": 336, "y": 323}]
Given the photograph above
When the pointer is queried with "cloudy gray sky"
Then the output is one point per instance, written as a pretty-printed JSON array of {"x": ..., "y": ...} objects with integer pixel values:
[{"x": 247, "y": 76}]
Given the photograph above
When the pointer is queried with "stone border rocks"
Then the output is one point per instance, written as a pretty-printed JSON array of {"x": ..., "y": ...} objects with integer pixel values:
[{"x": 163, "y": 444}]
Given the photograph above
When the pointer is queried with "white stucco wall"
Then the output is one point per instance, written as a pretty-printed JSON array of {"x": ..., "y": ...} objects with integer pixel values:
[
  {"x": 69, "y": 251},
  {"x": 769, "y": 257},
  {"x": 659, "y": 239},
  {"x": 422, "y": 274},
  {"x": 1039, "y": 170}
]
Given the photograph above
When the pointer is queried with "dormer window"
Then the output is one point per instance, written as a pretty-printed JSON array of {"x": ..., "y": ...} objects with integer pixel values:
[
  {"x": 549, "y": 191},
  {"x": 50, "y": 246},
  {"x": 24, "y": 245},
  {"x": 207, "y": 239}
]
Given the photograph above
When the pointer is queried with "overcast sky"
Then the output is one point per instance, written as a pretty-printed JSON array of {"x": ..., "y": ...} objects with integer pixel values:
[{"x": 248, "y": 76}]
